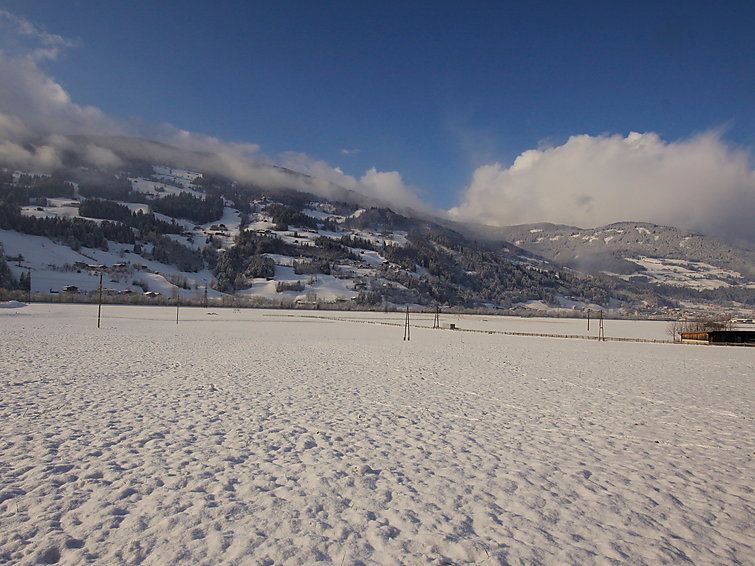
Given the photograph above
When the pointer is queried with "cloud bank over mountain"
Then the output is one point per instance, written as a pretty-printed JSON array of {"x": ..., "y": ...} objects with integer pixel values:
[
  {"x": 700, "y": 183},
  {"x": 38, "y": 118}
]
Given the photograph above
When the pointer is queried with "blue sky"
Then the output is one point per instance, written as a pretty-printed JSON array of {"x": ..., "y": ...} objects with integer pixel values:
[
  {"x": 432, "y": 90},
  {"x": 499, "y": 113}
]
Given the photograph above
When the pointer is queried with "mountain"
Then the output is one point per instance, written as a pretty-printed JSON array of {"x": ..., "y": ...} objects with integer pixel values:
[
  {"x": 158, "y": 226},
  {"x": 137, "y": 156},
  {"x": 640, "y": 251}
]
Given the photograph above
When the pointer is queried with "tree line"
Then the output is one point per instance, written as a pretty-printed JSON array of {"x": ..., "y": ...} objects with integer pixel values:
[
  {"x": 185, "y": 205},
  {"x": 145, "y": 222},
  {"x": 73, "y": 232}
]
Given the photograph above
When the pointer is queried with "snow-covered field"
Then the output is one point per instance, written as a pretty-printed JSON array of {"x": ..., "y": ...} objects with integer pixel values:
[{"x": 264, "y": 438}]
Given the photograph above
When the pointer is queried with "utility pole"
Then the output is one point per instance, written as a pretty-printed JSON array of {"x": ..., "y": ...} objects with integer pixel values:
[
  {"x": 436, "y": 320},
  {"x": 28, "y": 280},
  {"x": 178, "y": 304},
  {"x": 407, "y": 337},
  {"x": 601, "y": 330},
  {"x": 588, "y": 320},
  {"x": 99, "y": 308},
  {"x": 205, "y": 294}
]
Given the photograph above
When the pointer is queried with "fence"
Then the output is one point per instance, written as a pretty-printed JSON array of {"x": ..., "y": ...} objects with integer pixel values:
[{"x": 478, "y": 331}]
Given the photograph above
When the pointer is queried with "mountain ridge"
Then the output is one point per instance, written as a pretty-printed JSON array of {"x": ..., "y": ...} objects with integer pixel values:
[{"x": 285, "y": 242}]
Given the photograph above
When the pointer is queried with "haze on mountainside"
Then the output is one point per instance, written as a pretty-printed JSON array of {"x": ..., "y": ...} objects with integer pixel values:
[{"x": 700, "y": 183}]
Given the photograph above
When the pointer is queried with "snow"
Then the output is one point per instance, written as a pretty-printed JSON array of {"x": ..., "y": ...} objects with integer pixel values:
[
  {"x": 63, "y": 207},
  {"x": 641, "y": 329},
  {"x": 261, "y": 225},
  {"x": 280, "y": 259},
  {"x": 187, "y": 225},
  {"x": 326, "y": 288},
  {"x": 392, "y": 238},
  {"x": 321, "y": 215},
  {"x": 231, "y": 218},
  {"x": 47, "y": 260},
  {"x": 42, "y": 251},
  {"x": 683, "y": 273},
  {"x": 136, "y": 207},
  {"x": 159, "y": 189},
  {"x": 180, "y": 176},
  {"x": 369, "y": 257},
  {"x": 564, "y": 303},
  {"x": 278, "y": 437}
]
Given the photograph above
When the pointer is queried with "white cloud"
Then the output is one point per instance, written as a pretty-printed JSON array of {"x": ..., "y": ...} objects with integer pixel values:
[
  {"x": 346, "y": 151},
  {"x": 101, "y": 156},
  {"x": 36, "y": 111},
  {"x": 699, "y": 183},
  {"x": 390, "y": 187},
  {"x": 18, "y": 33},
  {"x": 387, "y": 186},
  {"x": 43, "y": 105},
  {"x": 40, "y": 159}
]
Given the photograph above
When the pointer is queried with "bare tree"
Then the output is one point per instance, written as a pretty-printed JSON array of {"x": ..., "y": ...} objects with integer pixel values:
[{"x": 716, "y": 322}]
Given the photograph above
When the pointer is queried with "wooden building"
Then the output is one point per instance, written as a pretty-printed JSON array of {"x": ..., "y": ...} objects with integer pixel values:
[{"x": 731, "y": 337}]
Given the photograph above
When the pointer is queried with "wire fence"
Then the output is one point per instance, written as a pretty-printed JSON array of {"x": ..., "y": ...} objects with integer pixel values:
[{"x": 480, "y": 331}]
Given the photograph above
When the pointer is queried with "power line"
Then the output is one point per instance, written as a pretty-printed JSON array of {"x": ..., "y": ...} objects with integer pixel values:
[{"x": 407, "y": 336}]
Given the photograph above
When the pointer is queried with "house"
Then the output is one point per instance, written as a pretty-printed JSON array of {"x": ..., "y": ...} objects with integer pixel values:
[
  {"x": 70, "y": 289},
  {"x": 151, "y": 294}
]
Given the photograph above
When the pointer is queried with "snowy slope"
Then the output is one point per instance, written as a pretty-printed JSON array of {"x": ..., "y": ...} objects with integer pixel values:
[
  {"x": 255, "y": 437},
  {"x": 53, "y": 267},
  {"x": 436, "y": 263},
  {"x": 661, "y": 253}
]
